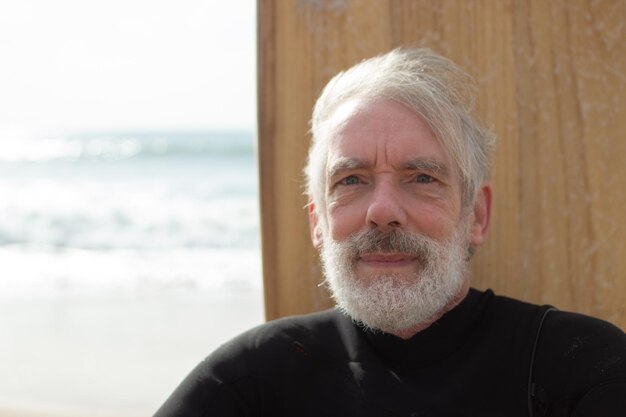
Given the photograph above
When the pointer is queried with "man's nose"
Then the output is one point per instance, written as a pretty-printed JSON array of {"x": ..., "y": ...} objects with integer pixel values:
[{"x": 385, "y": 210}]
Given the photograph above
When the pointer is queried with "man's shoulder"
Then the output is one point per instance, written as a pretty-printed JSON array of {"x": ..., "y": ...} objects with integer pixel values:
[
  {"x": 556, "y": 324},
  {"x": 294, "y": 327},
  {"x": 583, "y": 339},
  {"x": 277, "y": 354},
  {"x": 294, "y": 340},
  {"x": 583, "y": 325},
  {"x": 581, "y": 360},
  {"x": 563, "y": 324}
]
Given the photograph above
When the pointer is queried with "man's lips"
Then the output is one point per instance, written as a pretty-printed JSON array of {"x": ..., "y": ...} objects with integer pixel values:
[{"x": 387, "y": 260}]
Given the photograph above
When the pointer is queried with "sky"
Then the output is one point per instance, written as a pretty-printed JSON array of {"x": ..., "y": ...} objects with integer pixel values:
[{"x": 79, "y": 65}]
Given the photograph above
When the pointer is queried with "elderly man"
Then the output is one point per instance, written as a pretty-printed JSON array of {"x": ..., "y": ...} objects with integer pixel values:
[{"x": 399, "y": 199}]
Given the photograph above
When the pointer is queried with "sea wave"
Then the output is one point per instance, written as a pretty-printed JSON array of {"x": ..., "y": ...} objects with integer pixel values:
[
  {"x": 128, "y": 213},
  {"x": 41, "y": 272},
  {"x": 51, "y": 215},
  {"x": 123, "y": 145}
]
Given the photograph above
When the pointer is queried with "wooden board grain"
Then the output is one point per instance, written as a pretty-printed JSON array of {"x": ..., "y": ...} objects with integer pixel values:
[{"x": 552, "y": 86}]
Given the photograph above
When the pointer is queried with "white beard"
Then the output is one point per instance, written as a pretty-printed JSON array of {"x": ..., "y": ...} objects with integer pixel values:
[{"x": 396, "y": 302}]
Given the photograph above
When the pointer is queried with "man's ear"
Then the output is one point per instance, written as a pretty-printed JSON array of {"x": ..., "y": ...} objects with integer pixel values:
[
  {"x": 314, "y": 226},
  {"x": 481, "y": 215}
]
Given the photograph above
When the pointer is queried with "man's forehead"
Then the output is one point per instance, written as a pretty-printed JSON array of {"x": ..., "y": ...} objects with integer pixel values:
[
  {"x": 344, "y": 112},
  {"x": 370, "y": 114},
  {"x": 364, "y": 132}
]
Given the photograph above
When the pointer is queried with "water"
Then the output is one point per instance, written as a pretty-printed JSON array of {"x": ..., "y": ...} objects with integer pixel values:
[
  {"x": 125, "y": 257},
  {"x": 128, "y": 212}
]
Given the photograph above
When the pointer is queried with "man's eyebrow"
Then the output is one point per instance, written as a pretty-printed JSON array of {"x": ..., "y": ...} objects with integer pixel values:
[
  {"x": 343, "y": 163},
  {"x": 428, "y": 165},
  {"x": 419, "y": 164}
]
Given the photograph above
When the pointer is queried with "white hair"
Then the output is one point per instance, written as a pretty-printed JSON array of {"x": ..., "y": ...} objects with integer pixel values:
[{"x": 429, "y": 84}]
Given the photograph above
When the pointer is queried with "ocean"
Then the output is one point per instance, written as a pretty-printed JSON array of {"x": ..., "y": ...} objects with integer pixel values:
[{"x": 126, "y": 257}]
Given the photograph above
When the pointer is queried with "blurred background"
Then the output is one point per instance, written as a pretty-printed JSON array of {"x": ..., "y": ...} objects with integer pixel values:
[{"x": 129, "y": 230}]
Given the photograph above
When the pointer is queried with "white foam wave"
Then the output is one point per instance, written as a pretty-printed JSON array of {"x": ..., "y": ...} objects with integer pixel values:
[
  {"x": 131, "y": 215},
  {"x": 41, "y": 272},
  {"x": 52, "y": 147},
  {"x": 42, "y": 150}
]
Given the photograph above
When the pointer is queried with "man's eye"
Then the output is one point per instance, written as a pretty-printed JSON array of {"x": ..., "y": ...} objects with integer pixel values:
[
  {"x": 423, "y": 178},
  {"x": 350, "y": 180}
]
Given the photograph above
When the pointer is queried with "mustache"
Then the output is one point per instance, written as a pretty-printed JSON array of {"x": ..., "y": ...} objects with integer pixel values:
[{"x": 417, "y": 245}]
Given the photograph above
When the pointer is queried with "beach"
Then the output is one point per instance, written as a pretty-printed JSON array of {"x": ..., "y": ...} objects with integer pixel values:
[
  {"x": 30, "y": 411},
  {"x": 112, "y": 355}
]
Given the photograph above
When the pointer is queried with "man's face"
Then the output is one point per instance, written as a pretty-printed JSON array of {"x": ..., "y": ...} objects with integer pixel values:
[{"x": 388, "y": 178}]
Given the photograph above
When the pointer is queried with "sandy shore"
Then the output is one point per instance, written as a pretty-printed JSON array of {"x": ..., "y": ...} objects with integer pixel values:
[
  {"x": 111, "y": 356},
  {"x": 24, "y": 411}
]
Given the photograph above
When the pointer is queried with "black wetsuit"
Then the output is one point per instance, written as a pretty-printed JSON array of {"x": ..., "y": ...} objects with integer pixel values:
[{"x": 475, "y": 361}]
